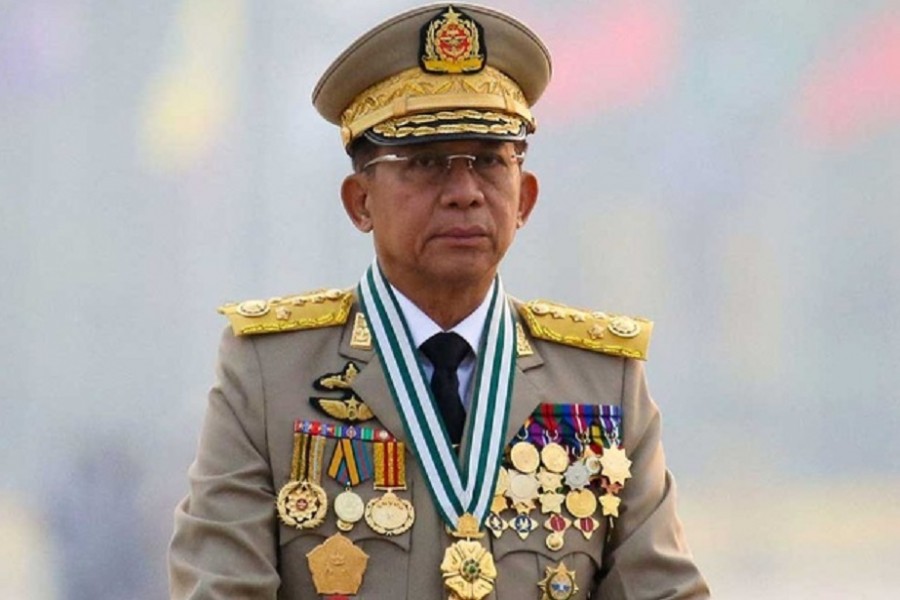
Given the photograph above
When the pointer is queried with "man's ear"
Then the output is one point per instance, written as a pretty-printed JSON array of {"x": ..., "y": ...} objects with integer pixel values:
[
  {"x": 528, "y": 195},
  {"x": 354, "y": 196}
]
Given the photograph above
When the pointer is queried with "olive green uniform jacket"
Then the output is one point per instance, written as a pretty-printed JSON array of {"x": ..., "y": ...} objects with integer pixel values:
[{"x": 229, "y": 543}]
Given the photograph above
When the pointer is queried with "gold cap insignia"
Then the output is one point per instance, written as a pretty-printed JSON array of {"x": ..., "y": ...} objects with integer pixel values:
[{"x": 452, "y": 42}]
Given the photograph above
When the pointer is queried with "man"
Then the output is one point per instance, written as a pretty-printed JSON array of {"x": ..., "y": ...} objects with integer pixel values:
[{"x": 424, "y": 435}]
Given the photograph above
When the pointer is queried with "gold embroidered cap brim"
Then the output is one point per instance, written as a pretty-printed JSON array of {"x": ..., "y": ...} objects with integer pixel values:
[
  {"x": 393, "y": 47},
  {"x": 449, "y": 125}
]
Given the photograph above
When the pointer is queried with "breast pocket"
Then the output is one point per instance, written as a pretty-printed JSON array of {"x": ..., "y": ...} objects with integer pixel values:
[
  {"x": 523, "y": 564},
  {"x": 388, "y": 555}
]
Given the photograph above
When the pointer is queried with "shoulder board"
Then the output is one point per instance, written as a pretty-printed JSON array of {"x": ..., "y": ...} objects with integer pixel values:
[
  {"x": 591, "y": 330},
  {"x": 321, "y": 308}
]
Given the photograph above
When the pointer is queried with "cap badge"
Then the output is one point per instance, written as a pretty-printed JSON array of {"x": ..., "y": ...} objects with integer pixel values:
[{"x": 452, "y": 43}]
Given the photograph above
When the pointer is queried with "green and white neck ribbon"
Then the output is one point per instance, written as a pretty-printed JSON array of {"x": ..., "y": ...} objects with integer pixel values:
[{"x": 457, "y": 486}]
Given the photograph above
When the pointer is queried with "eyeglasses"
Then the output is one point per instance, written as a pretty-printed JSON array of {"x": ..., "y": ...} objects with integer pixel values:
[{"x": 424, "y": 168}]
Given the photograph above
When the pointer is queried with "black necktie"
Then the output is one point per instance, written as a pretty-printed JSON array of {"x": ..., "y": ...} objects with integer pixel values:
[{"x": 445, "y": 351}]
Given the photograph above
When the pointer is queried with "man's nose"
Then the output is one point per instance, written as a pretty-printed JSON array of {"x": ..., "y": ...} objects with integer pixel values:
[{"x": 462, "y": 185}]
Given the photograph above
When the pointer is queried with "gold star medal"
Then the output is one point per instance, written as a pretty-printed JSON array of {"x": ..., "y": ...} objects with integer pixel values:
[
  {"x": 389, "y": 514},
  {"x": 610, "y": 505},
  {"x": 551, "y": 502},
  {"x": 616, "y": 465},
  {"x": 302, "y": 502},
  {"x": 559, "y": 583},
  {"x": 550, "y": 482}
]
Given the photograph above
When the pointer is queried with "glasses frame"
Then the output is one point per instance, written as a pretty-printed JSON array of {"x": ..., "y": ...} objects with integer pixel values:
[{"x": 518, "y": 158}]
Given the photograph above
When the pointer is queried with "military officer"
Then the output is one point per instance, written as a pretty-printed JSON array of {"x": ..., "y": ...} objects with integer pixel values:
[{"x": 424, "y": 434}]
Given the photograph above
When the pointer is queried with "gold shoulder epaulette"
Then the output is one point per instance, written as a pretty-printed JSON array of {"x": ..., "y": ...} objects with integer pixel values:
[
  {"x": 322, "y": 308},
  {"x": 591, "y": 330}
]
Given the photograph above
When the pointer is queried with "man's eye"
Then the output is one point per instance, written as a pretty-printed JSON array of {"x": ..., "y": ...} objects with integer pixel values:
[
  {"x": 425, "y": 160},
  {"x": 489, "y": 160}
]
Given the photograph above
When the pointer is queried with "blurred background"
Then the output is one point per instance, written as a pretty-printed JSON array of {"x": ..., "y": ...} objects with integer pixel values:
[{"x": 730, "y": 169}]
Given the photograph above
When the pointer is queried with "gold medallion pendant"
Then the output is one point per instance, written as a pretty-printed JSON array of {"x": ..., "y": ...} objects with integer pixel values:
[
  {"x": 349, "y": 509},
  {"x": 390, "y": 514},
  {"x": 337, "y": 566},
  {"x": 524, "y": 457},
  {"x": 556, "y": 525},
  {"x": 468, "y": 568},
  {"x": 555, "y": 457},
  {"x": 302, "y": 504},
  {"x": 581, "y": 503},
  {"x": 559, "y": 584}
]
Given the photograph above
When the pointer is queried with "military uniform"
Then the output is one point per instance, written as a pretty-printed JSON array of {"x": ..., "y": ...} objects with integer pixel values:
[
  {"x": 229, "y": 542},
  {"x": 324, "y": 467}
]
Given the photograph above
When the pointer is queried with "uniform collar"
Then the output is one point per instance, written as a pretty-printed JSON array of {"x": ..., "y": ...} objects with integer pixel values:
[{"x": 422, "y": 327}]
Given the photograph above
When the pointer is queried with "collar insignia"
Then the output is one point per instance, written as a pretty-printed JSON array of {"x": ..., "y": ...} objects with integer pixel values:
[
  {"x": 452, "y": 42},
  {"x": 361, "y": 337}
]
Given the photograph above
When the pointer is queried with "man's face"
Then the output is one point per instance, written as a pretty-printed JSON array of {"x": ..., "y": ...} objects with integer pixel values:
[{"x": 435, "y": 227}]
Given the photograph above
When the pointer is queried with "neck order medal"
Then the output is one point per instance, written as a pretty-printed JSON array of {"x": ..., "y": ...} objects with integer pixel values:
[{"x": 463, "y": 489}]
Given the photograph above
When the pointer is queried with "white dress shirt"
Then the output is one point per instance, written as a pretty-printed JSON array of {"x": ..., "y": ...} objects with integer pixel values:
[{"x": 421, "y": 327}]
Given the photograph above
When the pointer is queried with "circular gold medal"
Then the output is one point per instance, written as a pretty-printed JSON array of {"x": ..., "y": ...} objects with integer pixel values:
[
  {"x": 349, "y": 509},
  {"x": 555, "y": 457},
  {"x": 524, "y": 457},
  {"x": 555, "y": 541},
  {"x": 523, "y": 487},
  {"x": 581, "y": 503},
  {"x": 302, "y": 504},
  {"x": 389, "y": 514}
]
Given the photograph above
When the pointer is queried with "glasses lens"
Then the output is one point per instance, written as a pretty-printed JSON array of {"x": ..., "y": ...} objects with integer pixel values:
[
  {"x": 425, "y": 167},
  {"x": 430, "y": 168}
]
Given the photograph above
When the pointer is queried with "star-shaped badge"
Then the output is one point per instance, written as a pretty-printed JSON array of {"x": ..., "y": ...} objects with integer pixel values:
[
  {"x": 616, "y": 465},
  {"x": 550, "y": 482},
  {"x": 610, "y": 505},
  {"x": 552, "y": 502}
]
